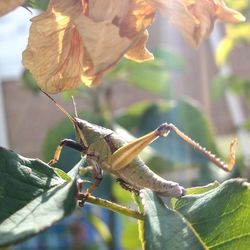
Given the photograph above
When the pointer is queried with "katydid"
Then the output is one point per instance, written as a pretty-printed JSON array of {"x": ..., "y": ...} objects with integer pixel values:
[{"x": 106, "y": 150}]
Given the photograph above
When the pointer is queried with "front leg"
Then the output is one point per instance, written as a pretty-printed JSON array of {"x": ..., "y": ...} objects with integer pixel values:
[
  {"x": 97, "y": 173},
  {"x": 69, "y": 143}
]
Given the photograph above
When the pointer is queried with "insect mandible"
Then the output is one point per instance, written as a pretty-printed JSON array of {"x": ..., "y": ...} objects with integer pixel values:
[{"x": 106, "y": 150}]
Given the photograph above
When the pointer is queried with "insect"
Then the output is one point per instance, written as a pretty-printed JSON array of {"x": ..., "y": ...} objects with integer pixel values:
[{"x": 106, "y": 150}]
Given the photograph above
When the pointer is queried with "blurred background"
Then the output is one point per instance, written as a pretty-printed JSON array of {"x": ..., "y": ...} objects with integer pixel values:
[{"x": 205, "y": 92}]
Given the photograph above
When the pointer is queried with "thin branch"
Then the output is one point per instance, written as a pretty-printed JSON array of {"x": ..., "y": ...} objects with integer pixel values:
[{"x": 113, "y": 206}]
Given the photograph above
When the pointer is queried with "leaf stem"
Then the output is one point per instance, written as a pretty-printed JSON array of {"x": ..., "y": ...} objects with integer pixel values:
[{"x": 115, "y": 207}]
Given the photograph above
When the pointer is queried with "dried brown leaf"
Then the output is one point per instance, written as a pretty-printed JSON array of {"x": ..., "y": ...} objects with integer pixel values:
[
  {"x": 77, "y": 41},
  {"x": 195, "y": 18}
]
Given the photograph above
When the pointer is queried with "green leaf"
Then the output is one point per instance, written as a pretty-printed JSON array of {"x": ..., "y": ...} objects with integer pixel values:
[
  {"x": 218, "y": 88},
  {"x": 215, "y": 219},
  {"x": 152, "y": 76},
  {"x": 22, "y": 180},
  {"x": 170, "y": 59},
  {"x": 223, "y": 50},
  {"x": 202, "y": 189},
  {"x": 153, "y": 80},
  {"x": 236, "y": 84},
  {"x": 62, "y": 174},
  {"x": 235, "y": 35},
  {"x": 32, "y": 197},
  {"x": 238, "y": 5},
  {"x": 37, "y": 4},
  {"x": 246, "y": 124},
  {"x": 197, "y": 190},
  {"x": 29, "y": 82},
  {"x": 165, "y": 228}
]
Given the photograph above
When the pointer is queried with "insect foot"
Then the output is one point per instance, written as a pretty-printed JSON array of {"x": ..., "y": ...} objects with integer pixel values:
[{"x": 82, "y": 198}]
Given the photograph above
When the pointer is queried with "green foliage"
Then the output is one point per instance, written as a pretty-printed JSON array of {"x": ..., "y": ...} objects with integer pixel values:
[
  {"x": 215, "y": 216},
  {"x": 152, "y": 76},
  {"x": 29, "y": 82},
  {"x": 218, "y": 218},
  {"x": 239, "y": 5},
  {"x": 247, "y": 124},
  {"x": 235, "y": 34},
  {"x": 32, "y": 197},
  {"x": 37, "y": 4},
  {"x": 236, "y": 84}
]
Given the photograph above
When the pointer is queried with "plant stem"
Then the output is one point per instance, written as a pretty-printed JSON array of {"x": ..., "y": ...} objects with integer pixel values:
[{"x": 115, "y": 207}]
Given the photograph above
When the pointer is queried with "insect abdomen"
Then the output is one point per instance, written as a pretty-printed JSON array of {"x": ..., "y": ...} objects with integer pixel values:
[{"x": 139, "y": 176}]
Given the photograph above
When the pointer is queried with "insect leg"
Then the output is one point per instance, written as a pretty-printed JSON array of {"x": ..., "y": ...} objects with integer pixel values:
[
  {"x": 69, "y": 143},
  {"x": 217, "y": 161},
  {"x": 97, "y": 175},
  {"x": 124, "y": 155},
  {"x": 127, "y": 186}
]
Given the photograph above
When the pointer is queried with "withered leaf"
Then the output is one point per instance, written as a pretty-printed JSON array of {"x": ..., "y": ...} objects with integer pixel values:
[
  {"x": 77, "y": 41},
  {"x": 195, "y": 18}
]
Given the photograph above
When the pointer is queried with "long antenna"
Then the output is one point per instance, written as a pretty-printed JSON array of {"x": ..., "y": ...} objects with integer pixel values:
[
  {"x": 74, "y": 104},
  {"x": 60, "y": 107}
]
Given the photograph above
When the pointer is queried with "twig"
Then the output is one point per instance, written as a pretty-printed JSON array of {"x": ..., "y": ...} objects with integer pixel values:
[{"x": 112, "y": 206}]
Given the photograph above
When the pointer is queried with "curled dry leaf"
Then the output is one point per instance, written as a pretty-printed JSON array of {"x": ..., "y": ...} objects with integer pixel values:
[
  {"x": 76, "y": 41},
  {"x": 195, "y": 18},
  {"x": 9, "y": 5}
]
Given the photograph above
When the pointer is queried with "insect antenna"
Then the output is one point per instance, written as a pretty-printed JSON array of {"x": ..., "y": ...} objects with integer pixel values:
[
  {"x": 74, "y": 104},
  {"x": 60, "y": 107}
]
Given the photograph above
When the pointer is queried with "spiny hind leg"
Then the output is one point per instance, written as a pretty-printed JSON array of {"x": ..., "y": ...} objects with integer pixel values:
[
  {"x": 69, "y": 143},
  {"x": 97, "y": 173},
  {"x": 125, "y": 154},
  {"x": 165, "y": 128}
]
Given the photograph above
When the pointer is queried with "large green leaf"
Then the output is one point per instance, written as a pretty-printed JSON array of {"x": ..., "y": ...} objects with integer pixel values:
[
  {"x": 165, "y": 228},
  {"x": 217, "y": 218},
  {"x": 32, "y": 197}
]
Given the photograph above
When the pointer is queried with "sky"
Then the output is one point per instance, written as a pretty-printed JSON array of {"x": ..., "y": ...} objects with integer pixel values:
[{"x": 14, "y": 28}]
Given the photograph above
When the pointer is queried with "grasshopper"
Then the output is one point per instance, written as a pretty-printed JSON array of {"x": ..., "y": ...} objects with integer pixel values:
[{"x": 106, "y": 150}]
